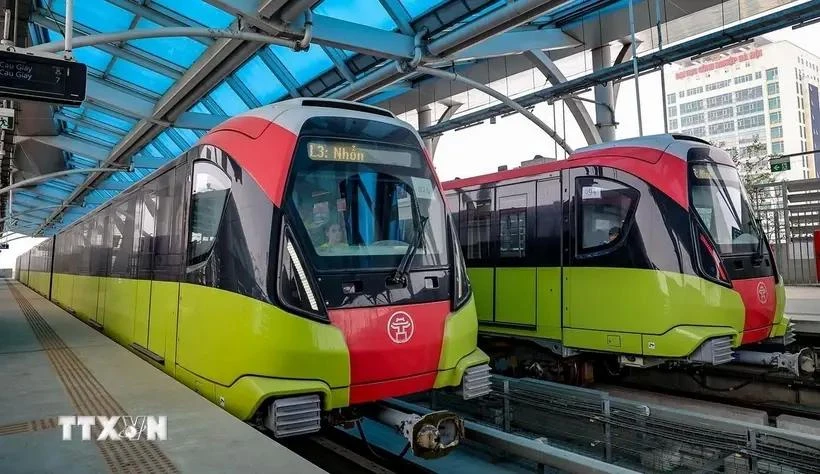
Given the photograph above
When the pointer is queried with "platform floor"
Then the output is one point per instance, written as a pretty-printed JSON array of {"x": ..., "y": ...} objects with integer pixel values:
[
  {"x": 803, "y": 305},
  {"x": 52, "y": 364}
]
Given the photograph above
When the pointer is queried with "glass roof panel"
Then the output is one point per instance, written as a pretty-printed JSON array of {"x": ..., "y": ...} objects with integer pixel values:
[
  {"x": 188, "y": 135},
  {"x": 304, "y": 65},
  {"x": 181, "y": 51},
  {"x": 228, "y": 100},
  {"x": 98, "y": 15},
  {"x": 363, "y": 12},
  {"x": 95, "y": 134},
  {"x": 415, "y": 8},
  {"x": 151, "y": 150},
  {"x": 168, "y": 143},
  {"x": 140, "y": 76},
  {"x": 259, "y": 79},
  {"x": 114, "y": 121},
  {"x": 199, "y": 11},
  {"x": 90, "y": 56},
  {"x": 200, "y": 108}
]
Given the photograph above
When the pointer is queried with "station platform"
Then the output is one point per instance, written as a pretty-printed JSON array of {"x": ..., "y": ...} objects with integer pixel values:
[
  {"x": 53, "y": 365},
  {"x": 803, "y": 305}
]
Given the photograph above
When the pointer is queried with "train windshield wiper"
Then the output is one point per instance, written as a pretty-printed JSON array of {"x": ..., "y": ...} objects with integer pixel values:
[{"x": 401, "y": 272}]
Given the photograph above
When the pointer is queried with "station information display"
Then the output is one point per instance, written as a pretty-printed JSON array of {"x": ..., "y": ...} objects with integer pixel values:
[{"x": 41, "y": 79}]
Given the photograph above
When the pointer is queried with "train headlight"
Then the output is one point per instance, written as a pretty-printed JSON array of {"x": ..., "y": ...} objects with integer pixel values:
[
  {"x": 295, "y": 287},
  {"x": 461, "y": 283}
]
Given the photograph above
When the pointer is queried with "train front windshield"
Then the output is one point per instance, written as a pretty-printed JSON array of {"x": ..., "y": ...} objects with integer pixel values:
[
  {"x": 361, "y": 205},
  {"x": 721, "y": 202}
]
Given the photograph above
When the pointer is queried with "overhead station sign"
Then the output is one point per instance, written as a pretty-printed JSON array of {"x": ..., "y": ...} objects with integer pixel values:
[
  {"x": 720, "y": 63},
  {"x": 41, "y": 79}
]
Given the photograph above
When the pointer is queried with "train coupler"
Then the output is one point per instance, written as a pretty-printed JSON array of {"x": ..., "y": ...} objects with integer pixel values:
[
  {"x": 803, "y": 362},
  {"x": 430, "y": 436}
]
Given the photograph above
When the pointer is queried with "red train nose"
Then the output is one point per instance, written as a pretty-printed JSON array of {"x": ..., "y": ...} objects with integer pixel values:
[
  {"x": 760, "y": 301},
  {"x": 393, "y": 349}
]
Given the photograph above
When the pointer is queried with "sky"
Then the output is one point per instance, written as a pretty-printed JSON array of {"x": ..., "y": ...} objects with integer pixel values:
[{"x": 511, "y": 140}]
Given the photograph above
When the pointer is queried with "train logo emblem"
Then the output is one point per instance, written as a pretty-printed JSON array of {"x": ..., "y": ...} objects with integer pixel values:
[
  {"x": 400, "y": 327},
  {"x": 762, "y": 293}
]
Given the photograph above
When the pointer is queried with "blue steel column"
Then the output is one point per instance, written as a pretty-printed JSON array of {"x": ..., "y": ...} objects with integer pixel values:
[{"x": 604, "y": 96}]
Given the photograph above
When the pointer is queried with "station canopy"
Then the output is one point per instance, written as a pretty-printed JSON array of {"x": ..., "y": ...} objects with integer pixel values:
[{"x": 150, "y": 99}]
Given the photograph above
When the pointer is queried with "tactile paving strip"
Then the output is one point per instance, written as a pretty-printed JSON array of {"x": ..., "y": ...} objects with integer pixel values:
[
  {"x": 89, "y": 397},
  {"x": 26, "y": 426}
]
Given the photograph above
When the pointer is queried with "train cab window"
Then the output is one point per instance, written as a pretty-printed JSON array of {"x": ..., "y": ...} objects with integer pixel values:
[
  {"x": 604, "y": 210},
  {"x": 368, "y": 212},
  {"x": 208, "y": 195}
]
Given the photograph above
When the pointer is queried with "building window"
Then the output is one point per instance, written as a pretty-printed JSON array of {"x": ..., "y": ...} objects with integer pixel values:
[
  {"x": 210, "y": 191},
  {"x": 751, "y": 122},
  {"x": 777, "y": 148},
  {"x": 743, "y": 78},
  {"x": 694, "y": 91},
  {"x": 681, "y": 94},
  {"x": 718, "y": 85},
  {"x": 775, "y": 118},
  {"x": 690, "y": 120},
  {"x": 771, "y": 74},
  {"x": 777, "y": 132},
  {"x": 673, "y": 124},
  {"x": 773, "y": 88},
  {"x": 670, "y": 98},
  {"x": 774, "y": 103},
  {"x": 699, "y": 132},
  {"x": 689, "y": 107},
  {"x": 750, "y": 108},
  {"x": 672, "y": 111},
  {"x": 749, "y": 94},
  {"x": 722, "y": 127},
  {"x": 718, "y": 100},
  {"x": 720, "y": 114},
  {"x": 604, "y": 210}
]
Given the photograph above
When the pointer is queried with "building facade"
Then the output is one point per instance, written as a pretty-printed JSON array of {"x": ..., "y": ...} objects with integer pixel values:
[{"x": 764, "y": 91}]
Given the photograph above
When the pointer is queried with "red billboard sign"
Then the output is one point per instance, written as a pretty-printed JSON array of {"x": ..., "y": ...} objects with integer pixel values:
[{"x": 721, "y": 63}]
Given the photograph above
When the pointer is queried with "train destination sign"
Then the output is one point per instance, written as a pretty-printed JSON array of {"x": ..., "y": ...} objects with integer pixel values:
[
  {"x": 41, "y": 79},
  {"x": 321, "y": 150}
]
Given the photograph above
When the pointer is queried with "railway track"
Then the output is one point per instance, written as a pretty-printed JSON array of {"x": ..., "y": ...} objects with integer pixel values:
[
  {"x": 338, "y": 452},
  {"x": 750, "y": 387}
]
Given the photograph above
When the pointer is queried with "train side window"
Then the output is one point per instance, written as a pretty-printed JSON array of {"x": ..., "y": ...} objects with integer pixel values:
[
  {"x": 208, "y": 195},
  {"x": 476, "y": 226},
  {"x": 604, "y": 210},
  {"x": 512, "y": 230},
  {"x": 122, "y": 239}
]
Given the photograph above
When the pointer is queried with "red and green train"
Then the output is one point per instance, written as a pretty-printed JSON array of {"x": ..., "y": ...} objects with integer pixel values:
[
  {"x": 295, "y": 263},
  {"x": 640, "y": 252}
]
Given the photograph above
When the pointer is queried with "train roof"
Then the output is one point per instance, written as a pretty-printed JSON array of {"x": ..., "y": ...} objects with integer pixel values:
[{"x": 639, "y": 148}]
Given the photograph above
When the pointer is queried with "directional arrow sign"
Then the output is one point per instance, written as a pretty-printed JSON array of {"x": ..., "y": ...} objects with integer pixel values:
[{"x": 780, "y": 164}]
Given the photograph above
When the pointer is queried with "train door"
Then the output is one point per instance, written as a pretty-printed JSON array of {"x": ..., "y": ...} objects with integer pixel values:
[
  {"x": 548, "y": 250},
  {"x": 167, "y": 209},
  {"x": 104, "y": 263},
  {"x": 97, "y": 266},
  {"x": 145, "y": 229},
  {"x": 515, "y": 272},
  {"x": 597, "y": 290},
  {"x": 475, "y": 235}
]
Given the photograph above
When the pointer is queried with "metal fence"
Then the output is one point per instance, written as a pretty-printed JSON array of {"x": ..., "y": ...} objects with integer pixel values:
[
  {"x": 790, "y": 213},
  {"x": 645, "y": 437}
]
